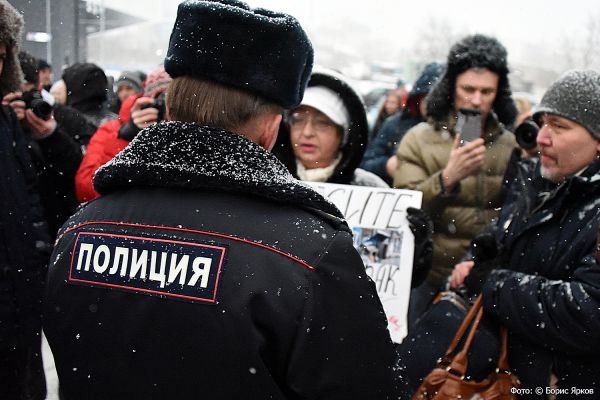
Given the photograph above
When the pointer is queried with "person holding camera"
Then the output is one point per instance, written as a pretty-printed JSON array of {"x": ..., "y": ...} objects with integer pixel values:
[
  {"x": 56, "y": 156},
  {"x": 460, "y": 177},
  {"x": 24, "y": 240},
  {"x": 137, "y": 112},
  {"x": 205, "y": 270},
  {"x": 541, "y": 279}
]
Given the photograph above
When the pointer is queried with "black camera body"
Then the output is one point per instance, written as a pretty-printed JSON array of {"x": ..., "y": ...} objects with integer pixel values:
[
  {"x": 160, "y": 105},
  {"x": 526, "y": 134},
  {"x": 33, "y": 99}
]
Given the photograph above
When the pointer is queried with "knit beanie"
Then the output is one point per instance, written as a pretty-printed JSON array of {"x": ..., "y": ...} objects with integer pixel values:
[
  {"x": 86, "y": 83},
  {"x": 132, "y": 79},
  {"x": 575, "y": 96},
  {"x": 257, "y": 50},
  {"x": 157, "y": 82}
]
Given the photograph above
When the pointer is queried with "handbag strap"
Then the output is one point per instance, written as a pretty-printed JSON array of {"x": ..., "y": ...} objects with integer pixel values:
[
  {"x": 463, "y": 326},
  {"x": 503, "y": 358},
  {"x": 459, "y": 363}
]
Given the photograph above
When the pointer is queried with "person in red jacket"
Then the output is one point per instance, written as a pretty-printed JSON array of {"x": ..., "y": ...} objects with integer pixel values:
[{"x": 115, "y": 135}]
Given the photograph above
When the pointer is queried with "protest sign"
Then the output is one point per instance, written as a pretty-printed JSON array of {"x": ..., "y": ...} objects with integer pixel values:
[{"x": 383, "y": 238}]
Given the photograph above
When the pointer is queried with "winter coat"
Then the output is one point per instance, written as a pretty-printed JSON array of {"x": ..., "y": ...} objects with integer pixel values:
[
  {"x": 80, "y": 125},
  {"x": 547, "y": 290},
  {"x": 56, "y": 159},
  {"x": 386, "y": 142},
  {"x": 276, "y": 304},
  {"x": 24, "y": 252},
  {"x": 86, "y": 97},
  {"x": 460, "y": 215},
  {"x": 103, "y": 146},
  {"x": 347, "y": 171}
]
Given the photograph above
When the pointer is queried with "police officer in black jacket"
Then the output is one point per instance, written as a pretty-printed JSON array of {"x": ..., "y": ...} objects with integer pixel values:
[{"x": 206, "y": 270}]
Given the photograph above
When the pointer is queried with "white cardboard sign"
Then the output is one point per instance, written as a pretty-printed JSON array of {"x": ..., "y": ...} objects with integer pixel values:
[{"x": 383, "y": 238}]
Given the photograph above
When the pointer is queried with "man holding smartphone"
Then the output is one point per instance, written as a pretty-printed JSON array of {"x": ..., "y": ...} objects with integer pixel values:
[{"x": 460, "y": 177}]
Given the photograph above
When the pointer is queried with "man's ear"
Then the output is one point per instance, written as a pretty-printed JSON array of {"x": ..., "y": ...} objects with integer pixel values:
[{"x": 269, "y": 129}]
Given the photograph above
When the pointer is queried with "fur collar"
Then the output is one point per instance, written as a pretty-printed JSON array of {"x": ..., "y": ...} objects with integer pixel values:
[{"x": 187, "y": 155}]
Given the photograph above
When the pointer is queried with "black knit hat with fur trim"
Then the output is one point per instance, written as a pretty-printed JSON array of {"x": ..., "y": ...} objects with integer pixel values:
[
  {"x": 475, "y": 51},
  {"x": 257, "y": 50}
]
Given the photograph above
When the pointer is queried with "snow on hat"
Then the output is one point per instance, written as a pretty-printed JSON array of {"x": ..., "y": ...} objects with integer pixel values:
[
  {"x": 329, "y": 103},
  {"x": 575, "y": 96},
  {"x": 157, "y": 82},
  {"x": 257, "y": 50},
  {"x": 474, "y": 51}
]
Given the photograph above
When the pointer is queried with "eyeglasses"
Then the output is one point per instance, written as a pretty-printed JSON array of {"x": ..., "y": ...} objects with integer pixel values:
[{"x": 321, "y": 124}]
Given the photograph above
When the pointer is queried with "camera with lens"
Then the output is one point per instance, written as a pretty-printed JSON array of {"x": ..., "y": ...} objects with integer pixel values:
[
  {"x": 526, "y": 134},
  {"x": 33, "y": 100},
  {"x": 159, "y": 104}
]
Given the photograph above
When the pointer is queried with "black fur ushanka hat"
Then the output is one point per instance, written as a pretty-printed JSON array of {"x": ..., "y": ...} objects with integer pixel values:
[
  {"x": 475, "y": 51},
  {"x": 257, "y": 50}
]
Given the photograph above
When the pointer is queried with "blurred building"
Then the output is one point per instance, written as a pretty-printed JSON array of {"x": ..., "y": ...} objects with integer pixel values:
[{"x": 58, "y": 30}]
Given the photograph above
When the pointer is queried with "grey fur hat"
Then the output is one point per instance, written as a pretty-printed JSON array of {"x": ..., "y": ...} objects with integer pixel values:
[
  {"x": 11, "y": 25},
  {"x": 575, "y": 96},
  {"x": 475, "y": 51}
]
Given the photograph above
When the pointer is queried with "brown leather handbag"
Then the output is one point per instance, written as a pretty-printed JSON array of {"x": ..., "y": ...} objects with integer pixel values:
[{"x": 447, "y": 380}]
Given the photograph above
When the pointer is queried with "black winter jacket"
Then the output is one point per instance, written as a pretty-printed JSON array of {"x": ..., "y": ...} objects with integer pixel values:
[
  {"x": 548, "y": 292},
  {"x": 275, "y": 304},
  {"x": 56, "y": 159},
  {"x": 24, "y": 252}
]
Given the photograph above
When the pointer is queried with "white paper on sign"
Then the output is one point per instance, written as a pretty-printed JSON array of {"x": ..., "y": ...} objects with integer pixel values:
[{"x": 383, "y": 238}]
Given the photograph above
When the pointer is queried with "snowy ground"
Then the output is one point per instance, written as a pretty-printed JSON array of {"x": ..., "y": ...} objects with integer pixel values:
[{"x": 50, "y": 369}]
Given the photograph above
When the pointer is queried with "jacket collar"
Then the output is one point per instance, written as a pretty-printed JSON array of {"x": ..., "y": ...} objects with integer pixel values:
[{"x": 186, "y": 155}]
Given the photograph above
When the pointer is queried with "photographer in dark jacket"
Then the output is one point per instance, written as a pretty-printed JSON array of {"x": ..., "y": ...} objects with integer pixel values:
[
  {"x": 56, "y": 156},
  {"x": 206, "y": 269},
  {"x": 541, "y": 281},
  {"x": 23, "y": 235}
]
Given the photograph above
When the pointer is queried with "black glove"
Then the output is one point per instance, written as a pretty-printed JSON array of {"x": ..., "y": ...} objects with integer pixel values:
[
  {"x": 421, "y": 227},
  {"x": 128, "y": 131},
  {"x": 486, "y": 256}
]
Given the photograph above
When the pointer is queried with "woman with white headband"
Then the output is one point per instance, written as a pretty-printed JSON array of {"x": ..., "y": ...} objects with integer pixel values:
[
  {"x": 324, "y": 139},
  {"x": 326, "y": 136}
]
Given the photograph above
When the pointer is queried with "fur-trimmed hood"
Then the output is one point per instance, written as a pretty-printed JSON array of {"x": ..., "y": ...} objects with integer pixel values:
[
  {"x": 11, "y": 25},
  {"x": 187, "y": 155},
  {"x": 476, "y": 51},
  {"x": 358, "y": 131}
]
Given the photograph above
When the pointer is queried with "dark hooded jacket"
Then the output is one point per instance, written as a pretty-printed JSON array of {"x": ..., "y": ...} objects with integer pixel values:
[
  {"x": 24, "y": 241},
  {"x": 284, "y": 308},
  {"x": 86, "y": 106},
  {"x": 546, "y": 290},
  {"x": 386, "y": 142},
  {"x": 347, "y": 171}
]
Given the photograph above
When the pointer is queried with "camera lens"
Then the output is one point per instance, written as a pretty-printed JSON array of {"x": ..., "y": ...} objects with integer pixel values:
[
  {"x": 41, "y": 109},
  {"x": 526, "y": 134}
]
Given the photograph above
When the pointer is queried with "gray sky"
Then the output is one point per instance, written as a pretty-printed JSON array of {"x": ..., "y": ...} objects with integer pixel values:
[{"x": 548, "y": 34}]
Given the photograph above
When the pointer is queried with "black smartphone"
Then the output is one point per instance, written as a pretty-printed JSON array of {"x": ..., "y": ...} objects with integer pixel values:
[{"x": 468, "y": 125}]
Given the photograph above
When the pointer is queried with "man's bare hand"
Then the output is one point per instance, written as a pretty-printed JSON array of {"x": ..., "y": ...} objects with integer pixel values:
[{"x": 464, "y": 161}]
